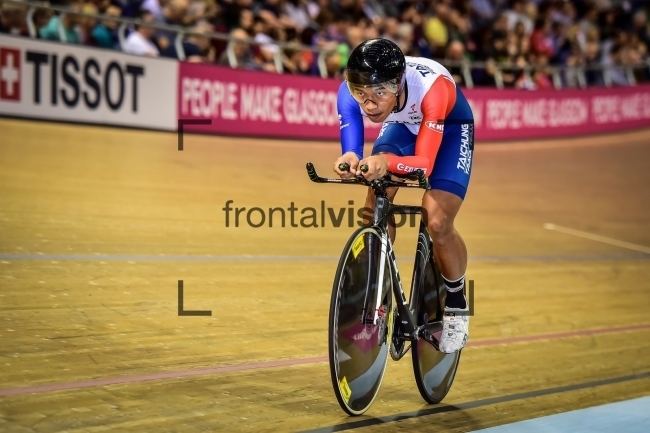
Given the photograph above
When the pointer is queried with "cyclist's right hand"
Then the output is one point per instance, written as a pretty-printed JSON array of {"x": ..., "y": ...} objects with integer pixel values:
[{"x": 349, "y": 158}]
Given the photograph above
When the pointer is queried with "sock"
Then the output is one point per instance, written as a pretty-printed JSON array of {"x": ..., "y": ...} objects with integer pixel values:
[{"x": 455, "y": 297}]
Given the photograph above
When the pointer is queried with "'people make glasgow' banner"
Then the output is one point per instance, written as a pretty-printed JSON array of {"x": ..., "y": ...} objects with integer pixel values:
[
  {"x": 519, "y": 114},
  {"x": 272, "y": 105},
  {"x": 260, "y": 104}
]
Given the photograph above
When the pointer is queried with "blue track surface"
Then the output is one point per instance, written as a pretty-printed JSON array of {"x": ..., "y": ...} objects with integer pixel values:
[{"x": 630, "y": 416}]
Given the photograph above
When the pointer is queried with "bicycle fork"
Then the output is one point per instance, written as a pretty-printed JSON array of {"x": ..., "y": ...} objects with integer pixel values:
[{"x": 372, "y": 305}]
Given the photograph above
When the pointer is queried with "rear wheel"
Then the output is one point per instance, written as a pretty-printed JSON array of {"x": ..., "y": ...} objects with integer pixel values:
[
  {"x": 434, "y": 371},
  {"x": 359, "y": 337}
]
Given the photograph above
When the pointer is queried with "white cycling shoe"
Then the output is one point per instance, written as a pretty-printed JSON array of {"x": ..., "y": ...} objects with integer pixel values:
[{"x": 455, "y": 329}]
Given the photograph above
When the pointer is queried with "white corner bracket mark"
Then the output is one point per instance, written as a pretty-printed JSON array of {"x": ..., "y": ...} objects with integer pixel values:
[{"x": 597, "y": 238}]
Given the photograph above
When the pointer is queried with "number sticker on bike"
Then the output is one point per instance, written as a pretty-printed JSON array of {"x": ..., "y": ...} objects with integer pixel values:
[
  {"x": 357, "y": 246},
  {"x": 346, "y": 392}
]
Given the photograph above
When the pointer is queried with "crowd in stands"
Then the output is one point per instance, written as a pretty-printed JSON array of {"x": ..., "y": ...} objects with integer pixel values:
[{"x": 518, "y": 40}]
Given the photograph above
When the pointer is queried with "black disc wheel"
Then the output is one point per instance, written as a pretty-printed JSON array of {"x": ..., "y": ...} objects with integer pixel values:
[
  {"x": 434, "y": 371},
  {"x": 360, "y": 321}
]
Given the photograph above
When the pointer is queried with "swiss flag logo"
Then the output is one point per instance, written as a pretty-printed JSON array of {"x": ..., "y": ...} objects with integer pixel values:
[{"x": 9, "y": 74}]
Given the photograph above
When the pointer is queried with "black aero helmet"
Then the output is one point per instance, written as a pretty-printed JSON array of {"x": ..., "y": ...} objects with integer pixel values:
[{"x": 376, "y": 61}]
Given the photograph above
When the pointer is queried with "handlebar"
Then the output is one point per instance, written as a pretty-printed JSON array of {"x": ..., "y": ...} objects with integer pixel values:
[
  {"x": 344, "y": 166},
  {"x": 378, "y": 184}
]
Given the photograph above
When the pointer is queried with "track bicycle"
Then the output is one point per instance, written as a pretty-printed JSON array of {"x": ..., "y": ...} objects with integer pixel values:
[{"x": 364, "y": 327}]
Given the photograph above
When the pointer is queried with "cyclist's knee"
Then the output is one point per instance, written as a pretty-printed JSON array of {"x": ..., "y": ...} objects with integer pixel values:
[
  {"x": 440, "y": 227},
  {"x": 439, "y": 210}
]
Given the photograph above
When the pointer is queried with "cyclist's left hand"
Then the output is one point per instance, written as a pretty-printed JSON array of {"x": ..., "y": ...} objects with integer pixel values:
[{"x": 377, "y": 167}]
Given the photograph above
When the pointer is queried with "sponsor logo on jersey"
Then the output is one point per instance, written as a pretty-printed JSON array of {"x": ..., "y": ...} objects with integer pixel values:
[
  {"x": 405, "y": 168},
  {"x": 424, "y": 70},
  {"x": 341, "y": 124},
  {"x": 465, "y": 159},
  {"x": 435, "y": 125},
  {"x": 383, "y": 128}
]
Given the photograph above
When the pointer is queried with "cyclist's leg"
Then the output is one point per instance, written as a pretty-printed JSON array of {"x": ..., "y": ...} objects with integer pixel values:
[
  {"x": 396, "y": 139},
  {"x": 441, "y": 208},
  {"x": 449, "y": 181}
]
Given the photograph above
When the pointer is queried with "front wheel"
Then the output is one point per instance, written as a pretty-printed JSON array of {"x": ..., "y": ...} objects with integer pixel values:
[
  {"x": 434, "y": 371},
  {"x": 360, "y": 321}
]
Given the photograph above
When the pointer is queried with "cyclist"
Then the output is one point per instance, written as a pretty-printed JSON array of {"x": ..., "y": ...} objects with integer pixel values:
[{"x": 427, "y": 125}]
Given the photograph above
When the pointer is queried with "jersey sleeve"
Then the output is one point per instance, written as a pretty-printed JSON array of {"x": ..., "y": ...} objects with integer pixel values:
[
  {"x": 350, "y": 122},
  {"x": 436, "y": 105}
]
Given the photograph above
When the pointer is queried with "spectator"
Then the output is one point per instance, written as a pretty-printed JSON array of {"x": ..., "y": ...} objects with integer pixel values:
[
  {"x": 333, "y": 65},
  {"x": 298, "y": 60},
  {"x": 405, "y": 38},
  {"x": 141, "y": 41},
  {"x": 640, "y": 26},
  {"x": 174, "y": 14},
  {"x": 541, "y": 75},
  {"x": 130, "y": 8},
  {"x": 617, "y": 60},
  {"x": 298, "y": 11},
  {"x": 518, "y": 13},
  {"x": 454, "y": 57},
  {"x": 238, "y": 54},
  {"x": 154, "y": 8},
  {"x": 483, "y": 11},
  {"x": 12, "y": 19},
  {"x": 86, "y": 23},
  {"x": 197, "y": 47},
  {"x": 267, "y": 48},
  {"x": 435, "y": 29},
  {"x": 354, "y": 36},
  {"x": 104, "y": 34},
  {"x": 247, "y": 20},
  {"x": 584, "y": 33},
  {"x": 391, "y": 29},
  {"x": 232, "y": 11},
  {"x": 540, "y": 40},
  {"x": 67, "y": 25},
  {"x": 591, "y": 58}
]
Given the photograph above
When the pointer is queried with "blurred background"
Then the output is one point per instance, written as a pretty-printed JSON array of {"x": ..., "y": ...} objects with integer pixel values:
[{"x": 526, "y": 44}]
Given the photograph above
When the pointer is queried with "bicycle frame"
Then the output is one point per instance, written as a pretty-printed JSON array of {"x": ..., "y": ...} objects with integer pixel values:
[{"x": 382, "y": 211}]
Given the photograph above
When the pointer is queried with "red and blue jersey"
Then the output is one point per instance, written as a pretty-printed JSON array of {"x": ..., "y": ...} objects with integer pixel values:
[{"x": 431, "y": 97}]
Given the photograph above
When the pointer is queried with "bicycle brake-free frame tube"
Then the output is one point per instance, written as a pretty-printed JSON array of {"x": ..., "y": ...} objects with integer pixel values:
[{"x": 407, "y": 320}]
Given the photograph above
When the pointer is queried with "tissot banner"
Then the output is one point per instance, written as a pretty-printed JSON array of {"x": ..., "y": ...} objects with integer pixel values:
[{"x": 69, "y": 82}]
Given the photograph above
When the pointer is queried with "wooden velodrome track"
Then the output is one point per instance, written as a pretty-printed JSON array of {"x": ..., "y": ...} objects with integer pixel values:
[{"x": 98, "y": 225}]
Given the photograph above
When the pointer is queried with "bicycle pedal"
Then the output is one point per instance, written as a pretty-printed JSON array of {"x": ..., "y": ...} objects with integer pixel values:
[{"x": 431, "y": 333}]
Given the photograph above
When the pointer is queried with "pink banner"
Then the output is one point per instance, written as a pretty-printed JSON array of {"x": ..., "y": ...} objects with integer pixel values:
[
  {"x": 262, "y": 104},
  {"x": 520, "y": 114}
]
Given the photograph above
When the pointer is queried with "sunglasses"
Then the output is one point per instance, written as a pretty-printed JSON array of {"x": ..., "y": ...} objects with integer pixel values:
[{"x": 376, "y": 93}]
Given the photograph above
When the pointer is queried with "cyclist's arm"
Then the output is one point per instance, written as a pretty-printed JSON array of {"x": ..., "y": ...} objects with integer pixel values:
[
  {"x": 350, "y": 122},
  {"x": 436, "y": 105}
]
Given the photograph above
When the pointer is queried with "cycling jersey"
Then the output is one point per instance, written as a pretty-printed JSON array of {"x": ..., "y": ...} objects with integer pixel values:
[{"x": 432, "y": 131}]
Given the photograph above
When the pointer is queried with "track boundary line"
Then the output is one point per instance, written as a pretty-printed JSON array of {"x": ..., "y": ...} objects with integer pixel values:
[
  {"x": 290, "y": 362},
  {"x": 208, "y": 258},
  {"x": 442, "y": 408},
  {"x": 597, "y": 238}
]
